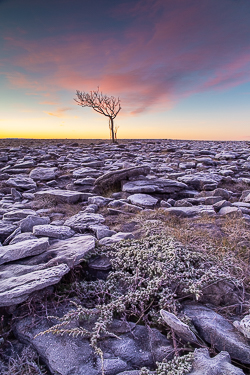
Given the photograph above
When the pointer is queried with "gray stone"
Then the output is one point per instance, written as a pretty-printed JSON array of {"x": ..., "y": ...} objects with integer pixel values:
[
  {"x": 165, "y": 204},
  {"x": 200, "y": 181},
  {"x": 15, "y": 290},
  {"x": 135, "y": 347},
  {"x": 83, "y": 220},
  {"x": 159, "y": 185},
  {"x": 223, "y": 193},
  {"x": 23, "y": 249},
  {"x": 43, "y": 174},
  {"x": 190, "y": 211},
  {"x": 116, "y": 238},
  {"x": 226, "y": 155},
  {"x": 113, "y": 179},
  {"x": 212, "y": 200},
  {"x": 143, "y": 200},
  {"x": 103, "y": 232},
  {"x": 20, "y": 279},
  {"x": 5, "y": 230},
  {"x": 71, "y": 251},
  {"x": 25, "y": 164},
  {"x": 22, "y": 237},
  {"x": 60, "y": 196},
  {"x": 124, "y": 207},
  {"x": 230, "y": 211},
  {"x": 218, "y": 365},
  {"x": 54, "y": 231},
  {"x": 21, "y": 183},
  {"x": 223, "y": 203},
  {"x": 14, "y": 234},
  {"x": 182, "y": 203},
  {"x": 180, "y": 328},
  {"x": 17, "y": 196},
  {"x": 30, "y": 221},
  {"x": 86, "y": 172},
  {"x": 88, "y": 181},
  {"x": 18, "y": 214},
  {"x": 219, "y": 332},
  {"x": 99, "y": 201}
]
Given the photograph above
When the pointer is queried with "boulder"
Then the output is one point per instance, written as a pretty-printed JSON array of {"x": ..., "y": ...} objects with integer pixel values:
[{"x": 43, "y": 174}]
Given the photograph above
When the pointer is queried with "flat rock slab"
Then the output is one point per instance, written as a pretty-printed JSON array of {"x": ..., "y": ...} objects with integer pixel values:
[
  {"x": 60, "y": 196},
  {"x": 21, "y": 183},
  {"x": 43, "y": 174},
  {"x": 136, "y": 346},
  {"x": 155, "y": 185},
  {"x": 54, "y": 231},
  {"x": 190, "y": 211},
  {"x": 84, "y": 220},
  {"x": 143, "y": 200},
  {"x": 29, "y": 272},
  {"x": 18, "y": 214},
  {"x": 113, "y": 179},
  {"x": 23, "y": 249},
  {"x": 219, "y": 332},
  {"x": 15, "y": 290}
]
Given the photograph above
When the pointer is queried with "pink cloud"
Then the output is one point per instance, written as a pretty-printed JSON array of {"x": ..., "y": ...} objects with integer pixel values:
[
  {"x": 179, "y": 50},
  {"x": 60, "y": 112}
]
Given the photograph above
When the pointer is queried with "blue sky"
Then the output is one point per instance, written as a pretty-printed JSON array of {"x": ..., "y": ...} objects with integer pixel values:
[{"x": 180, "y": 67}]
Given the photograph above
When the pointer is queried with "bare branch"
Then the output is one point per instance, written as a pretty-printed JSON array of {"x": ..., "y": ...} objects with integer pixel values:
[{"x": 106, "y": 105}]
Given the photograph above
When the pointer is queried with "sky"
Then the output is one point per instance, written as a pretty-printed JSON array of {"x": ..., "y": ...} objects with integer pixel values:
[{"x": 181, "y": 68}]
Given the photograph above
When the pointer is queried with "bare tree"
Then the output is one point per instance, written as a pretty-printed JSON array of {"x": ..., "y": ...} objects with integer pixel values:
[{"x": 106, "y": 105}]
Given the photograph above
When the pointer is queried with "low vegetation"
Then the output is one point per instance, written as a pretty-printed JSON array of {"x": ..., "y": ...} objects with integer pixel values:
[{"x": 173, "y": 261}]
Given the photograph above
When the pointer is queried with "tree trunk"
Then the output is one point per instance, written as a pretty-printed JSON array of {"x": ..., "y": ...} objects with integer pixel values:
[{"x": 112, "y": 129}]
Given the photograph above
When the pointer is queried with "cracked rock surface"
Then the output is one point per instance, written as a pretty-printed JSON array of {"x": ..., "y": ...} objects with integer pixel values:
[{"x": 63, "y": 204}]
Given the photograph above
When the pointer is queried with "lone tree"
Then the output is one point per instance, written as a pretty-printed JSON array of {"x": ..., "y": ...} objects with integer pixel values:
[{"x": 106, "y": 105}]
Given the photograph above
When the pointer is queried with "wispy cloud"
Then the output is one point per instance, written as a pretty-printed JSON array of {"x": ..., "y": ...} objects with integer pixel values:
[
  {"x": 60, "y": 112},
  {"x": 169, "y": 50}
]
